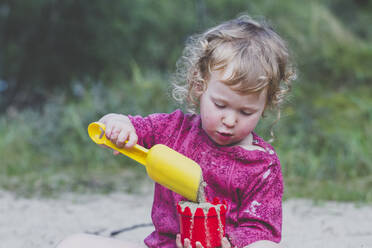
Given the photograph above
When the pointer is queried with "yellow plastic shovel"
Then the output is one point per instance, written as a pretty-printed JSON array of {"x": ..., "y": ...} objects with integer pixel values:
[{"x": 163, "y": 165}]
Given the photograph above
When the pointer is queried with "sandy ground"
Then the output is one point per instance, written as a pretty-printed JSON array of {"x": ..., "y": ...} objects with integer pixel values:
[{"x": 29, "y": 223}]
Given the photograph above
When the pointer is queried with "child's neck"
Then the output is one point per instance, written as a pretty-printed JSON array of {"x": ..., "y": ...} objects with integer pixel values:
[{"x": 248, "y": 144}]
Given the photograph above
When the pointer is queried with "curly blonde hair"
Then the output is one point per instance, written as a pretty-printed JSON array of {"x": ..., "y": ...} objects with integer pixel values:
[{"x": 258, "y": 55}]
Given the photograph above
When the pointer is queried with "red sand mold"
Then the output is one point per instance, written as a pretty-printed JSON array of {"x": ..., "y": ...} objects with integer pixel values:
[{"x": 207, "y": 228}]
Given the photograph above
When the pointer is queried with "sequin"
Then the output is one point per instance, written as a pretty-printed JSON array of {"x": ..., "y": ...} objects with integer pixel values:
[{"x": 267, "y": 173}]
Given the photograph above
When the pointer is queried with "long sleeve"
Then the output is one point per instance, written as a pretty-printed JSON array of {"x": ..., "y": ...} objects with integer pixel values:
[
  {"x": 156, "y": 128},
  {"x": 258, "y": 214}
]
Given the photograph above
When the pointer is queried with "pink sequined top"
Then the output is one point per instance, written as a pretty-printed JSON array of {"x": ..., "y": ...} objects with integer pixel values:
[{"x": 250, "y": 181}]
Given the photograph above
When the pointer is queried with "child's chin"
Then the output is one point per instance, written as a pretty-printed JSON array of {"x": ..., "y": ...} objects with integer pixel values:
[{"x": 224, "y": 143}]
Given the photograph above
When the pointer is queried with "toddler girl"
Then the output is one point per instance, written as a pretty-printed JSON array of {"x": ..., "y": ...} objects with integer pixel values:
[{"x": 230, "y": 74}]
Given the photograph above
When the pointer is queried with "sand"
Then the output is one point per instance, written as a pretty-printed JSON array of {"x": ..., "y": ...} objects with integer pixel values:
[
  {"x": 43, "y": 222},
  {"x": 205, "y": 206}
]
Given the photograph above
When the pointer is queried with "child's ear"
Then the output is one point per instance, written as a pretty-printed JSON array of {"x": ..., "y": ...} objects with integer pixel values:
[
  {"x": 199, "y": 88},
  {"x": 202, "y": 87},
  {"x": 263, "y": 115}
]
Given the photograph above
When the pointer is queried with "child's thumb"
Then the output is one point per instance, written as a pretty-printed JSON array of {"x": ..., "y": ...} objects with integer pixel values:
[{"x": 225, "y": 243}]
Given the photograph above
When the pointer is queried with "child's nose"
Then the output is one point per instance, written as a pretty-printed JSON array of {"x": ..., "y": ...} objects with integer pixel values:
[{"x": 229, "y": 120}]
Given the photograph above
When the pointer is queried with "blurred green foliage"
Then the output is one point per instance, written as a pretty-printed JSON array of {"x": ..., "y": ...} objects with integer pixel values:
[
  {"x": 78, "y": 60},
  {"x": 48, "y": 45},
  {"x": 50, "y": 151}
]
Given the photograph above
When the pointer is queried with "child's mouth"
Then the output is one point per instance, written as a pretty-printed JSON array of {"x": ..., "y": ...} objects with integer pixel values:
[{"x": 224, "y": 136}]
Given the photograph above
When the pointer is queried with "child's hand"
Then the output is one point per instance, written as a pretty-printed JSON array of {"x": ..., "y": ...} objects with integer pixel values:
[
  {"x": 187, "y": 243},
  {"x": 224, "y": 243},
  {"x": 119, "y": 129}
]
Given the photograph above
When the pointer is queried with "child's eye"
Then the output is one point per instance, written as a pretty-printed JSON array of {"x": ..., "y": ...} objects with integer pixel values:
[
  {"x": 245, "y": 113},
  {"x": 219, "y": 105}
]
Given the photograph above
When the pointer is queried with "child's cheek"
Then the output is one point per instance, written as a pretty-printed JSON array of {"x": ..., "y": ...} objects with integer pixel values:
[
  {"x": 212, "y": 122},
  {"x": 206, "y": 123}
]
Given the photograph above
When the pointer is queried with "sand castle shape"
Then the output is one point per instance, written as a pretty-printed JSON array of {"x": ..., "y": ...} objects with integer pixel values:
[{"x": 203, "y": 222}]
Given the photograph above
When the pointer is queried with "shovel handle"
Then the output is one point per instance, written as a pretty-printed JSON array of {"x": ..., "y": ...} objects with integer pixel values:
[{"x": 96, "y": 131}]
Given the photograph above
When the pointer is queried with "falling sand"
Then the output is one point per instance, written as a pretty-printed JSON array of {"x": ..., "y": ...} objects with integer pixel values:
[{"x": 201, "y": 192}]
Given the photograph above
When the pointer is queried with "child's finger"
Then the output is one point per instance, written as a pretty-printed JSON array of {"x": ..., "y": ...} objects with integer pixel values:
[
  {"x": 108, "y": 130},
  {"x": 178, "y": 241},
  {"x": 116, "y": 153},
  {"x": 198, "y": 244},
  {"x": 110, "y": 133},
  {"x": 115, "y": 131},
  {"x": 187, "y": 243},
  {"x": 122, "y": 137},
  {"x": 132, "y": 139},
  {"x": 225, "y": 243}
]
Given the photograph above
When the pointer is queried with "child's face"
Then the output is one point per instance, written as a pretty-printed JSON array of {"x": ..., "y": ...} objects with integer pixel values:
[{"x": 228, "y": 117}]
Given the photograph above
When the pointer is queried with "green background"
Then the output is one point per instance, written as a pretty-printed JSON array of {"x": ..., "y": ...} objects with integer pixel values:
[{"x": 64, "y": 64}]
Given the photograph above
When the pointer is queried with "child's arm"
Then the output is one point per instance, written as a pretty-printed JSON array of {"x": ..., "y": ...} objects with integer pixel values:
[
  {"x": 259, "y": 214},
  {"x": 154, "y": 129},
  {"x": 157, "y": 128}
]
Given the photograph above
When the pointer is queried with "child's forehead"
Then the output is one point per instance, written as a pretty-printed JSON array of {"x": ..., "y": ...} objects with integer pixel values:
[
  {"x": 239, "y": 78},
  {"x": 225, "y": 73},
  {"x": 218, "y": 83},
  {"x": 228, "y": 72}
]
